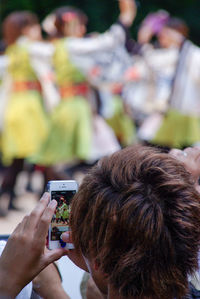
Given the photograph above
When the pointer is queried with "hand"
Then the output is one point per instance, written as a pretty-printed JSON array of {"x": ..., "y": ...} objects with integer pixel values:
[
  {"x": 132, "y": 74},
  {"x": 145, "y": 34},
  {"x": 24, "y": 255},
  {"x": 48, "y": 284},
  {"x": 74, "y": 255},
  {"x": 128, "y": 11},
  {"x": 190, "y": 157}
]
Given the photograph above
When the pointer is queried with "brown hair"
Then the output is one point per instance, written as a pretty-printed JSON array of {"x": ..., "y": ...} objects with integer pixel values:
[
  {"x": 15, "y": 22},
  {"x": 138, "y": 214},
  {"x": 178, "y": 25},
  {"x": 61, "y": 11}
]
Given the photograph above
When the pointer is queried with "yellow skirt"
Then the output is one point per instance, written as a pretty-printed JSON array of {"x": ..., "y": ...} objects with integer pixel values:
[{"x": 25, "y": 126}]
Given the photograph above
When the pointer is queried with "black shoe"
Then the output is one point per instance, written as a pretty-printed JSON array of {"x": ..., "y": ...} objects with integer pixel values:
[
  {"x": 13, "y": 207},
  {"x": 3, "y": 213}
]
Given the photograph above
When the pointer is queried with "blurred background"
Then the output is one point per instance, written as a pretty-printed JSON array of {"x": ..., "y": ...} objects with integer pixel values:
[
  {"x": 139, "y": 88},
  {"x": 107, "y": 10},
  {"x": 119, "y": 106}
]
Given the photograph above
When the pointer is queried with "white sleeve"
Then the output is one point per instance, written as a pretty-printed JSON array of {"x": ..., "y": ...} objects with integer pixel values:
[
  {"x": 103, "y": 59},
  {"x": 43, "y": 50},
  {"x": 194, "y": 64},
  {"x": 4, "y": 60},
  {"x": 105, "y": 41},
  {"x": 46, "y": 77},
  {"x": 41, "y": 61}
]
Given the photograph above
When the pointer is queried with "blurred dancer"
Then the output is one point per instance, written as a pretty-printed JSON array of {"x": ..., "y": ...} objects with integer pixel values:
[
  {"x": 174, "y": 70},
  {"x": 73, "y": 131},
  {"x": 181, "y": 126},
  {"x": 24, "y": 121},
  {"x": 71, "y": 124}
]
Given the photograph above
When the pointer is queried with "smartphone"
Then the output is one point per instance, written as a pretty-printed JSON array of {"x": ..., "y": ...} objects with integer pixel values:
[{"x": 62, "y": 192}]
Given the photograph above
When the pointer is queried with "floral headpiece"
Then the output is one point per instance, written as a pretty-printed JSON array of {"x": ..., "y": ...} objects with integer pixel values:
[{"x": 69, "y": 17}]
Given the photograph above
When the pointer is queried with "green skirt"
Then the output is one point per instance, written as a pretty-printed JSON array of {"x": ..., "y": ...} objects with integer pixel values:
[
  {"x": 121, "y": 123},
  {"x": 70, "y": 134},
  {"x": 178, "y": 130}
]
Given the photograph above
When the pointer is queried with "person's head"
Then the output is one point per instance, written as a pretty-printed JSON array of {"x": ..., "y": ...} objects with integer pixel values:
[
  {"x": 152, "y": 25},
  {"x": 21, "y": 23},
  {"x": 136, "y": 220},
  {"x": 173, "y": 33},
  {"x": 70, "y": 21}
]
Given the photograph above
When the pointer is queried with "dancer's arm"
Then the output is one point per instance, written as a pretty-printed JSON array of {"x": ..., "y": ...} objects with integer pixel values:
[{"x": 114, "y": 36}]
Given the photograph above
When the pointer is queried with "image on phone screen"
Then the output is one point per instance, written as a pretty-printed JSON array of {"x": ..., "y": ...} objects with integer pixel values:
[{"x": 60, "y": 220}]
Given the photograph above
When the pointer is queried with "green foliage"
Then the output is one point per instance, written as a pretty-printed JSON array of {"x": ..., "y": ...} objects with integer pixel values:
[{"x": 102, "y": 13}]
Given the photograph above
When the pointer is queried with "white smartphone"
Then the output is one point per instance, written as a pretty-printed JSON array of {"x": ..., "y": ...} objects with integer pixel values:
[{"x": 62, "y": 192}]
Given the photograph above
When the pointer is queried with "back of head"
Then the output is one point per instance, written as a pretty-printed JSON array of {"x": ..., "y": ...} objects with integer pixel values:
[
  {"x": 14, "y": 24},
  {"x": 138, "y": 214},
  {"x": 65, "y": 14},
  {"x": 179, "y": 25}
]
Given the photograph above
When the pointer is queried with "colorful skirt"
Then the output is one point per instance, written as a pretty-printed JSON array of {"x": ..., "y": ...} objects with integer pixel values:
[
  {"x": 121, "y": 123},
  {"x": 178, "y": 130},
  {"x": 70, "y": 135},
  {"x": 25, "y": 126}
]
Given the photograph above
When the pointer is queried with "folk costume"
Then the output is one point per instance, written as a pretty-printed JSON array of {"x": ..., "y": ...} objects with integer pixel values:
[
  {"x": 181, "y": 124},
  {"x": 25, "y": 123}
]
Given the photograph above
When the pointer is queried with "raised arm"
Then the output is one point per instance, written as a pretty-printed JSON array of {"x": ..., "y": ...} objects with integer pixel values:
[
  {"x": 105, "y": 41},
  {"x": 128, "y": 11},
  {"x": 41, "y": 49},
  {"x": 114, "y": 36}
]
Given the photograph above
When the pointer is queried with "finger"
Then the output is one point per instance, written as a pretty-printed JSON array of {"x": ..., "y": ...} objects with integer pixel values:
[
  {"x": 54, "y": 255},
  {"x": 21, "y": 225},
  {"x": 193, "y": 152},
  {"x": 18, "y": 233},
  {"x": 67, "y": 237},
  {"x": 45, "y": 220},
  {"x": 197, "y": 146},
  {"x": 176, "y": 153},
  {"x": 38, "y": 211},
  {"x": 197, "y": 158},
  {"x": 190, "y": 150}
]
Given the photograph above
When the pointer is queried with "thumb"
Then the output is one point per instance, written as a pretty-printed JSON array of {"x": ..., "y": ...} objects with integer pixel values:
[
  {"x": 67, "y": 237},
  {"x": 54, "y": 255}
]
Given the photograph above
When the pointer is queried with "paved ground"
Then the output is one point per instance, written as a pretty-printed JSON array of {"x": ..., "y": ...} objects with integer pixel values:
[{"x": 25, "y": 202}]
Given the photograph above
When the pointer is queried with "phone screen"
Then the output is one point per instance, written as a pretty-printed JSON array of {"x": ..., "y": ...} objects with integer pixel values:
[{"x": 60, "y": 220}]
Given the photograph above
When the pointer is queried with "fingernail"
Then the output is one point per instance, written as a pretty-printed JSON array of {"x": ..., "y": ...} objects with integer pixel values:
[
  {"x": 53, "y": 203},
  {"x": 65, "y": 237},
  {"x": 45, "y": 195}
]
